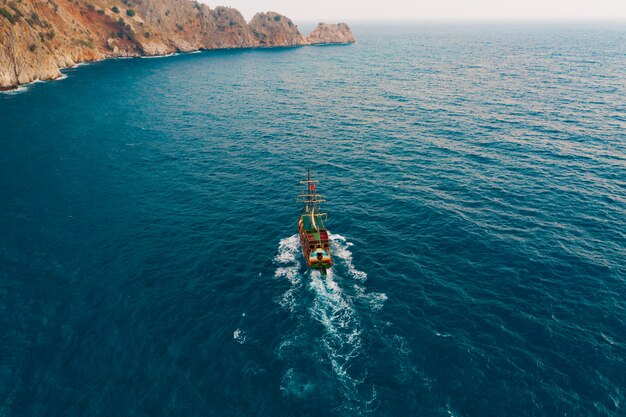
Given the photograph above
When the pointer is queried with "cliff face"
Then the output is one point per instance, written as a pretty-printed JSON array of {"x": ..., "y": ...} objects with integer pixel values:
[
  {"x": 331, "y": 33},
  {"x": 38, "y": 38},
  {"x": 272, "y": 29}
]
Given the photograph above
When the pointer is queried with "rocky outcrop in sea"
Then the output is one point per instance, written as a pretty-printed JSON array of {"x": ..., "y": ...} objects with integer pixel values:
[
  {"x": 326, "y": 33},
  {"x": 38, "y": 38}
]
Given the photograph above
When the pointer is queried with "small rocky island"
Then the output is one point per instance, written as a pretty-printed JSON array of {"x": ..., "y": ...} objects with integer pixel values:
[
  {"x": 326, "y": 33},
  {"x": 38, "y": 38}
]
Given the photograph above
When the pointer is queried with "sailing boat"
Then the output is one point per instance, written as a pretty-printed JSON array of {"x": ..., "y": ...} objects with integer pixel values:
[{"x": 312, "y": 230}]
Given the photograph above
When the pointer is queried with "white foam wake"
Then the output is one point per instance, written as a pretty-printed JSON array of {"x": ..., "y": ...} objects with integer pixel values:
[
  {"x": 328, "y": 301},
  {"x": 340, "y": 247},
  {"x": 334, "y": 310},
  {"x": 288, "y": 267},
  {"x": 341, "y": 250}
]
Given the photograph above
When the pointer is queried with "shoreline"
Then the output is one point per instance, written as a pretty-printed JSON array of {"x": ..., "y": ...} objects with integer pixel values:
[{"x": 16, "y": 88}]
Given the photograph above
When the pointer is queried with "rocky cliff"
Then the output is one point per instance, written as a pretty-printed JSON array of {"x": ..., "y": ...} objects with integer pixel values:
[
  {"x": 331, "y": 33},
  {"x": 38, "y": 38},
  {"x": 272, "y": 29}
]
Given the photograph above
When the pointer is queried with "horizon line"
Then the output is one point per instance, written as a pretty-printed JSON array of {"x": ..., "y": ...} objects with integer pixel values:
[{"x": 469, "y": 19}]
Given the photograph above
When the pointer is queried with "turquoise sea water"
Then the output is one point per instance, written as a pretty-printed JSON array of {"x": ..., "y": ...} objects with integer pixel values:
[{"x": 476, "y": 178}]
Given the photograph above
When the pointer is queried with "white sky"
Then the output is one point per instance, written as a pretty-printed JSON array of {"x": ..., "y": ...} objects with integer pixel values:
[{"x": 354, "y": 10}]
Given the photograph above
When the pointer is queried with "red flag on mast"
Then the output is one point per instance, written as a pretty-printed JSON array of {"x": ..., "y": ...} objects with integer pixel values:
[{"x": 312, "y": 187}]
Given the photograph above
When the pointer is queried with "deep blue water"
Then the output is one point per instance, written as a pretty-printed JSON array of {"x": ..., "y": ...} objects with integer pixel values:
[{"x": 476, "y": 178}]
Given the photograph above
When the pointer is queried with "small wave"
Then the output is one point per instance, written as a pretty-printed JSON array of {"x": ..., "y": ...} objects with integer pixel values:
[
  {"x": 294, "y": 383},
  {"x": 288, "y": 300},
  {"x": 376, "y": 300},
  {"x": 340, "y": 247},
  {"x": 24, "y": 88},
  {"x": 291, "y": 273},
  {"x": 239, "y": 336},
  {"x": 169, "y": 55},
  {"x": 450, "y": 411},
  {"x": 159, "y": 56},
  {"x": 81, "y": 64},
  {"x": 287, "y": 259},
  {"x": 287, "y": 250},
  {"x": 19, "y": 90},
  {"x": 607, "y": 338}
]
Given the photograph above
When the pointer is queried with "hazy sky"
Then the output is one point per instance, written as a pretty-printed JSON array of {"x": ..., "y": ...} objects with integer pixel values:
[{"x": 353, "y": 10}]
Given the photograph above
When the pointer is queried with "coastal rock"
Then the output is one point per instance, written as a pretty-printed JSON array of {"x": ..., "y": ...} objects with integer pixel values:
[
  {"x": 38, "y": 38},
  {"x": 331, "y": 33},
  {"x": 229, "y": 30},
  {"x": 273, "y": 29}
]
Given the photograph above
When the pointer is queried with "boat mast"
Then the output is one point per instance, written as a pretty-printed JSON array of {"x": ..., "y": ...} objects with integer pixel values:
[
  {"x": 308, "y": 191},
  {"x": 310, "y": 198}
]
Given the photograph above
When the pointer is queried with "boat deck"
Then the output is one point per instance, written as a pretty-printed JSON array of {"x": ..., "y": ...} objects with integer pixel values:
[{"x": 307, "y": 224}]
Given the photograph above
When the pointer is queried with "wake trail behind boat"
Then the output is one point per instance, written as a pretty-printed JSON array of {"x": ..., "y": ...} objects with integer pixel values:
[{"x": 328, "y": 301}]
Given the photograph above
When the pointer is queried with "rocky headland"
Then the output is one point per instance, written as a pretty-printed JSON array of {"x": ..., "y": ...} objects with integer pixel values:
[{"x": 38, "y": 38}]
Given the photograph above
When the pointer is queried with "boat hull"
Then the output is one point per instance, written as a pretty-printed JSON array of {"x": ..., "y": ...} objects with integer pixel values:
[{"x": 315, "y": 247}]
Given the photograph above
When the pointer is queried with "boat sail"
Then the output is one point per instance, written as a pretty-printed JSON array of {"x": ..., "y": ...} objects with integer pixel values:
[{"x": 314, "y": 237}]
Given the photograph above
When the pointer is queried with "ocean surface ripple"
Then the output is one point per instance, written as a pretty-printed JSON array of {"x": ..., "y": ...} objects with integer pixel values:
[{"x": 476, "y": 179}]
